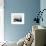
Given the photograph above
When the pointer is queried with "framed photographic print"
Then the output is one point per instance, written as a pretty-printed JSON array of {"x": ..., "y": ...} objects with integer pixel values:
[{"x": 17, "y": 18}]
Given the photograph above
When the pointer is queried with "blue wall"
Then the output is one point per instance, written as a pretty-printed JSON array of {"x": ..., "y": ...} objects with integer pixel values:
[
  {"x": 43, "y": 6},
  {"x": 29, "y": 8}
]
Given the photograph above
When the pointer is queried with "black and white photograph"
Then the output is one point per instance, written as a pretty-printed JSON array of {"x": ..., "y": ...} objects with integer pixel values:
[{"x": 17, "y": 18}]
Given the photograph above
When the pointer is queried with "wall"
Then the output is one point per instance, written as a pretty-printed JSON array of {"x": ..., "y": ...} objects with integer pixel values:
[
  {"x": 29, "y": 8},
  {"x": 43, "y": 6}
]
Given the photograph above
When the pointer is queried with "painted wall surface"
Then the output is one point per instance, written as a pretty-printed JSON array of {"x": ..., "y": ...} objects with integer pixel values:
[
  {"x": 43, "y": 6},
  {"x": 29, "y": 8}
]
